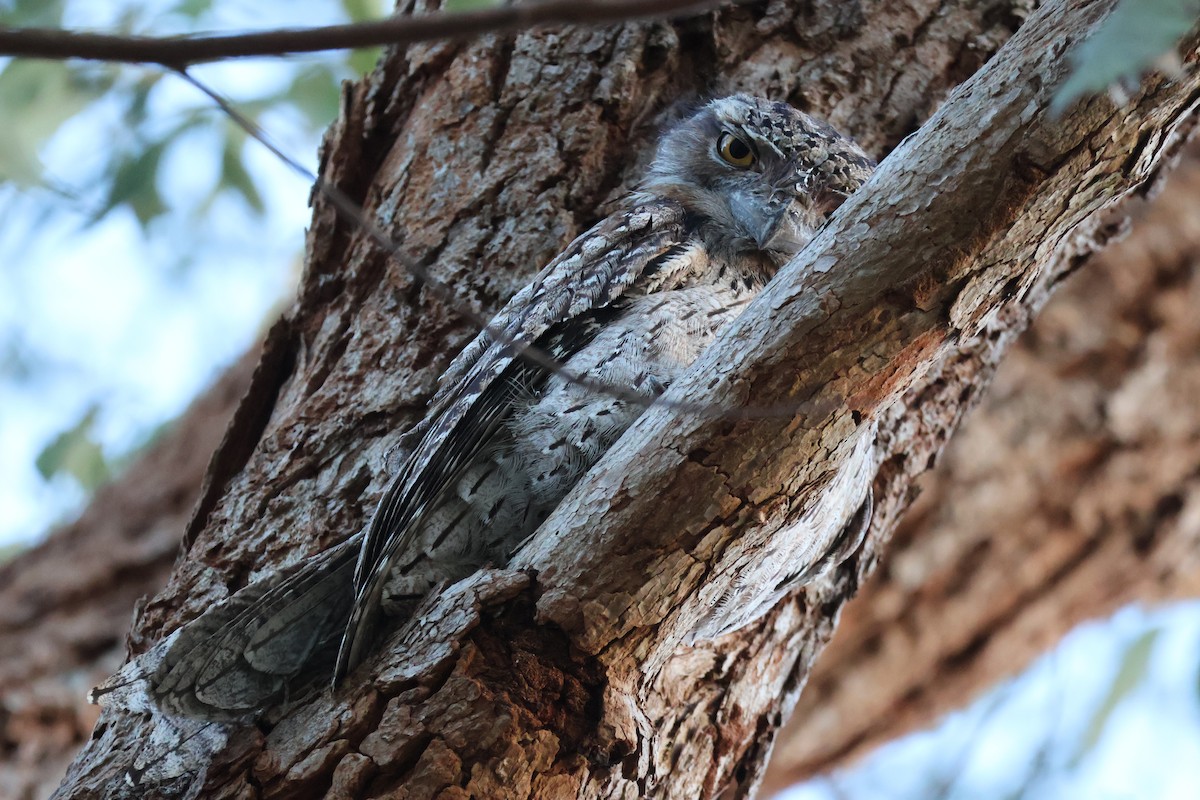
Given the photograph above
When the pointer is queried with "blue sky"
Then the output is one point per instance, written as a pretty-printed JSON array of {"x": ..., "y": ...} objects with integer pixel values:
[
  {"x": 1028, "y": 737},
  {"x": 136, "y": 322}
]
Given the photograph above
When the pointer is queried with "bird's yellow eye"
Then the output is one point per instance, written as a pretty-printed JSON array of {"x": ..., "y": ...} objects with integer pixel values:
[{"x": 734, "y": 151}]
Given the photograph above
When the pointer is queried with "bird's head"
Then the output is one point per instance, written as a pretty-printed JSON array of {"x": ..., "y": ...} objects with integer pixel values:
[{"x": 759, "y": 176}]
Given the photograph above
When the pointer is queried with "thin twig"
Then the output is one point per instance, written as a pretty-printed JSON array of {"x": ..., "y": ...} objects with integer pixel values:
[
  {"x": 354, "y": 213},
  {"x": 181, "y": 52}
]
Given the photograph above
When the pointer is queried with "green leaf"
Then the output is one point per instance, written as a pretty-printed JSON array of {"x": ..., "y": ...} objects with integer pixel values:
[
  {"x": 193, "y": 9},
  {"x": 33, "y": 14},
  {"x": 1137, "y": 34},
  {"x": 136, "y": 104},
  {"x": 37, "y": 98},
  {"x": 75, "y": 452},
  {"x": 363, "y": 61},
  {"x": 135, "y": 183},
  {"x": 315, "y": 92},
  {"x": 234, "y": 174},
  {"x": 363, "y": 10},
  {"x": 1131, "y": 674}
]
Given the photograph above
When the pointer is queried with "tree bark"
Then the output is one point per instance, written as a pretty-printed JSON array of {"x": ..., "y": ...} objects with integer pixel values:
[
  {"x": 1074, "y": 489},
  {"x": 918, "y": 640},
  {"x": 570, "y": 684}
]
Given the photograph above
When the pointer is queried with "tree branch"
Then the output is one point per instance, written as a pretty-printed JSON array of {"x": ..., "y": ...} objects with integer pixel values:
[
  {"x": 1032, "y": 523},
  {"x": 879, "y": 324},
  {"x": 179, "y": 53}
]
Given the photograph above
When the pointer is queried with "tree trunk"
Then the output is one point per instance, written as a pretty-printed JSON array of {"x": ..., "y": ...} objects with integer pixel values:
[{"x": 571, "y": 684}]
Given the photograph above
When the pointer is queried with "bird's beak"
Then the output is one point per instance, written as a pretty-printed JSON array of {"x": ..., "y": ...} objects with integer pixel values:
[
  {"x": 775, "y": 230},
  {"x": 783, "y": 234}
]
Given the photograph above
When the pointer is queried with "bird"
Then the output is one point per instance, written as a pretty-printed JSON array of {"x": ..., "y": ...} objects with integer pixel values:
[{"x": 734, "y": 190}]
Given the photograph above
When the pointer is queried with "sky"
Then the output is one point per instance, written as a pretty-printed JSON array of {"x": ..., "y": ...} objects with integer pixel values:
[
  {"x": 1032, "y": 737},
  {"x": 134, "y": 322}
]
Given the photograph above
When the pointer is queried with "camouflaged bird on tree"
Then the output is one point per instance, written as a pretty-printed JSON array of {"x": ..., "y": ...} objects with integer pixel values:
[{"x": 734, "y": 191}]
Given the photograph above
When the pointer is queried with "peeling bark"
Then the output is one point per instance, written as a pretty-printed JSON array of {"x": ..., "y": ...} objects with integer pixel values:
[{"x": 571, "y": 684}]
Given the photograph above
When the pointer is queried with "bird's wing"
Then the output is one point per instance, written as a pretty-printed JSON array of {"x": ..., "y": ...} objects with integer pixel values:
[
  {"x": 475, "y": 393},
  {"x": 242, "y": 655}
]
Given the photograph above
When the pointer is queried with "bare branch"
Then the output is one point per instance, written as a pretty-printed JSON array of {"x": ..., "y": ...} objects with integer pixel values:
[{"x": 181, "y": 52}]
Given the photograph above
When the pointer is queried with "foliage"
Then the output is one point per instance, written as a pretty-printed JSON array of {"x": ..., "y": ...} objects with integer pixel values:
[
  {"x": 1138, "y": 35},
  {"x": 39, "y": 98},
  {"x": 122, "y": 127},
  {"x": 1135, "y": 663},
  {"x": 468, "y": 5},
  {"x": 75, "y": 453}
]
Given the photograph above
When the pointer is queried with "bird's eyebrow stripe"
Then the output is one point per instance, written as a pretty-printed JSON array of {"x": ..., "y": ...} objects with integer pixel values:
[
  {"x": 756, "y": 138},
  {"x": 746, "y": 136}
]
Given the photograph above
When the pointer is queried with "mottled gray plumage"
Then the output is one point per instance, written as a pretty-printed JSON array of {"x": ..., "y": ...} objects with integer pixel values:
[{"x": 733, "y": 192}]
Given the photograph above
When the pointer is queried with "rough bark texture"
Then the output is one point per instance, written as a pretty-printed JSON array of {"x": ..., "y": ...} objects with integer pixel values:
[
  {"x": 511, "y": 149},
  {"x": 1073, "y": 490}
]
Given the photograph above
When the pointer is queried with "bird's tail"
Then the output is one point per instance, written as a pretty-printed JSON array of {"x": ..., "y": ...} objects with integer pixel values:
[
  {"x": 359, "y": 631},
  {"x": 255, "y": 649}
]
